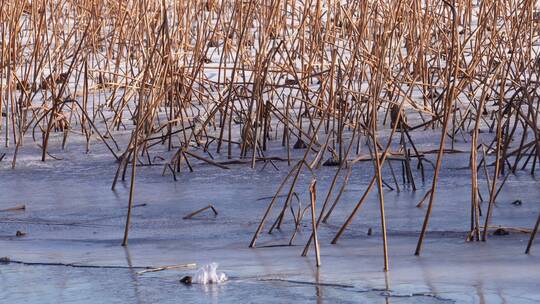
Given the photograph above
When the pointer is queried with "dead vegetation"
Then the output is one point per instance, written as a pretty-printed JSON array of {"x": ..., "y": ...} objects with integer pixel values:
[{"x": 205, "y": 78}]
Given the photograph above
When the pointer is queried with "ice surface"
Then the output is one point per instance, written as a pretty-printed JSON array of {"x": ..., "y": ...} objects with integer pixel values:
[{"x": 74, "y": 218}]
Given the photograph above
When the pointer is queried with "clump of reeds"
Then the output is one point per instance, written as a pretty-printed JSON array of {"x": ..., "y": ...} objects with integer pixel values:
[{"x": 198, "y": 78}]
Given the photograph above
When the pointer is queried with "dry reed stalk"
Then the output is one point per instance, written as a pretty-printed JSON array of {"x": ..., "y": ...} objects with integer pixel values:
[
  {"x": 533, "y": 235},
  {"x": 211, "y": 207}
]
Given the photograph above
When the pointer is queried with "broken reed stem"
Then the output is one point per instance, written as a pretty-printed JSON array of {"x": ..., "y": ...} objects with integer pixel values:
[
  {"x": 156, "y": 269},
  {"x": 16, "y": 208},
  {"x": 211, "y": 207}
]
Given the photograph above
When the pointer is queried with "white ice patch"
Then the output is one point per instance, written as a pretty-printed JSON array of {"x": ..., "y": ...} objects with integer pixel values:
[{"x": 208, "y": 275}]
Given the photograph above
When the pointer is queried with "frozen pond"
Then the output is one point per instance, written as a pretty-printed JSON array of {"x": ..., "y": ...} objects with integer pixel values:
[
  {"x": 74, "y": 218},
  {"x": 90, "y": 86}
]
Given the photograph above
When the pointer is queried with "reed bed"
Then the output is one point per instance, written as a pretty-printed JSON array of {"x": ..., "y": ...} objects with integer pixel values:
[{"x": 220, "y": 82}]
